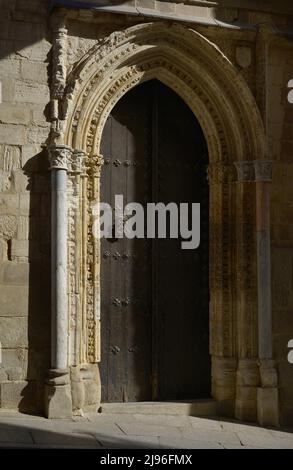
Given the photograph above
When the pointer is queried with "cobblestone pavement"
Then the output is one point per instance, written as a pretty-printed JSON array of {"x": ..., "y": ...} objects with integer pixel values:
[{"x": 137, "y": 431}]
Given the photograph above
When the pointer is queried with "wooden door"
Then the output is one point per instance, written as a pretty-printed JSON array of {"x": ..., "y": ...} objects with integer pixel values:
[{"x": 154, "y": 310}]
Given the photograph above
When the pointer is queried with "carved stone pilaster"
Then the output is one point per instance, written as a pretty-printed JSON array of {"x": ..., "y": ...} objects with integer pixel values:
[
  {"x": 267, "y": 394},
  {"x": 76, "y": 166},
  {"x": 221, "y": 177},
  {"x": 93, "y": 343}
]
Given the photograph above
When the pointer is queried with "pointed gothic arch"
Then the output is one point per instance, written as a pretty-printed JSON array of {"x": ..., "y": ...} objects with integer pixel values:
[{"x": 195, "y": 68}]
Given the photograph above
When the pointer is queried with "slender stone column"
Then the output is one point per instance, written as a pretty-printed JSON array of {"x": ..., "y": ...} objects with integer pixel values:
[
  {"x": 58, "y": 390},
  {"x": 267, "y": 396}
]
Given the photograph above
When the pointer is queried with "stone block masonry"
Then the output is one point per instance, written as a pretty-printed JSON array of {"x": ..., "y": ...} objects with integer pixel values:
[
  {"x": 27, "y": 64},
  {"x": 24, "y": 257}
]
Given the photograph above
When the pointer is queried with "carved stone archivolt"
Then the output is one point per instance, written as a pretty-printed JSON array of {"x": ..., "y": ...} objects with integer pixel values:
[{"x": 195, "y": 68}]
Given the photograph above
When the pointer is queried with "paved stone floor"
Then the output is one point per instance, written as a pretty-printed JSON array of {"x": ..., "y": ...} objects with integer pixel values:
[{"x": 137, "y": 431}]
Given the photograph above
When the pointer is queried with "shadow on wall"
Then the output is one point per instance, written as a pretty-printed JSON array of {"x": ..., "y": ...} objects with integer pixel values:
[{"x": 39, "y": 314}]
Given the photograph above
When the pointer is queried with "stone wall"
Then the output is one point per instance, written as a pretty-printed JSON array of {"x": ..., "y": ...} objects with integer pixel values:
[
  {"x": 25, "y": 51},
  {"x": 24, "y": 203},
  {"x": 281, "y": 152}
]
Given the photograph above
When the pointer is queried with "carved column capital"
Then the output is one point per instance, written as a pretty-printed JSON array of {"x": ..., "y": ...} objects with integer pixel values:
[
  {"x": 245, "y": 171},
  {"x": 219, "y": 173},
  {"x": 76, "y": 162},
  {"x": 59, "y": 156},
  {"x": 263, "y": 170},
  {"x": 95, "y": 164}
]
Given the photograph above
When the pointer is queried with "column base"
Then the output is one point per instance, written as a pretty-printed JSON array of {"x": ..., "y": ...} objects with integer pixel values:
[
  {"x": 268, "y": 406},
  {"x": 223, "y": 384},
  {"x": 58, "y": 401},
  {"x": 246, "y": 390},
  {"x": 268, "y": 394},
  {"x": 245, "y": 406}
]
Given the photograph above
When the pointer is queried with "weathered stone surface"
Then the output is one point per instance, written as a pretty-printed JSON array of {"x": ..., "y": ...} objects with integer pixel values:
[
  {"x": 37, "y": 135},
  {"x": 8, "y": 223},
  {"x": 35, "y": 72},
  {"x": 14, "y": 114},
  {"x": 36, "y": 52},
  {"x": 12, "y": 134},
  {"x": 23, "y": 228},
  {"x": 28, "y": 152},
  {"x": 31, "y": 92},
  {"x": 20, "y": 181},
  {"x": 268, "y": 406},
  {"x": 17, "y": 395},
  {"x": 9, "y": 204},
  {"x": 14, "y": 332},
  {"x": 10, "y": 68},
  {"x": 15, "y": 359},
  {"x": 19, "y": 249},
  {"x": 14, "y": 374},
  {"x": 58, "y": 402},
  {"x": 10, "y": 157},
  {"x": 14, "y": 274}
]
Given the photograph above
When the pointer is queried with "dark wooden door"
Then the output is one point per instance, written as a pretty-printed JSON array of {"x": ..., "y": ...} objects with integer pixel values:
[{"x": 155, "y": 296}]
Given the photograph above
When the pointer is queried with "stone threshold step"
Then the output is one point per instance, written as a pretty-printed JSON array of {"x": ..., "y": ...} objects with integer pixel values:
[{"x": 204, "y": 407}]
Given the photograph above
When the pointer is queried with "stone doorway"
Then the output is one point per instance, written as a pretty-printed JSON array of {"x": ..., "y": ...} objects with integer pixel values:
[
  {"x": 154, "y": 294},
  {"x": 244, "y": 378}
]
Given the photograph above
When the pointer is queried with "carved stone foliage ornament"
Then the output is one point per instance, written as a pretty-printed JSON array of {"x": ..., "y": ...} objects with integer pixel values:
[
  {"x": 181, "y": 58},
  {"x": 76, "y": 162},
  {"x": 59, "y": 157},
  {"x": 95, "y": 162}
]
